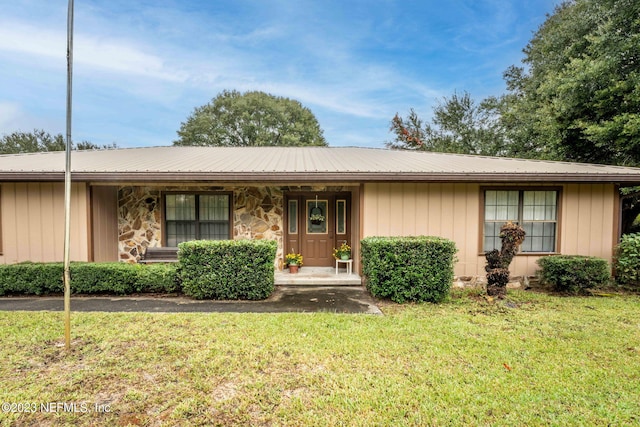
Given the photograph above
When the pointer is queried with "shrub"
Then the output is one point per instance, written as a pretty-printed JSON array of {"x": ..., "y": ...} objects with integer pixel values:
[
  {"x": 160, "y": 277},
  {"x": 122, "y": 278},
  {"x": 31, "y": 278},
  {"x": 87, "y": 278},
  {"x": 97, "y": 278},
  {"x": 574, "y": 273},
  {"x": 408, "y": 268},
  {"x": 497, "y": 268},
  {"x": 627, "y": 261},
  {"x": 227, "y": 269}
]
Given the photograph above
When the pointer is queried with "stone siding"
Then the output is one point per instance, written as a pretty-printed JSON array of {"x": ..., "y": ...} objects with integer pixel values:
[
  {"x": 257, "y": 214},
  {"x": 139, "y": 221}
]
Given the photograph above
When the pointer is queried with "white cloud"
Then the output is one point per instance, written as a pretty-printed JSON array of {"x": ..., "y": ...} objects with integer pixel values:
[{"x": 118, "y": 56}]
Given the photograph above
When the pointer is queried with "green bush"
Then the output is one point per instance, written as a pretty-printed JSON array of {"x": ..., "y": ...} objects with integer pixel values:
[
  {"x": 31, "y": 278},
  {"x": 160, "y": 278},
  {"x": 87, "y": 278},
  {"x": 227, "y": 269},
  {"x": 122, "y": 278},
  {"x": 627, "y": 261},
  {"x": 408, "y": 268},
  {"x": 574, "y": 273}
]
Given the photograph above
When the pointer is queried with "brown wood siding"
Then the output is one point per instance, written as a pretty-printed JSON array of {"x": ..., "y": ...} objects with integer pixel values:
[
  {"x": 104, "y": 223},
  {"x": 33, "y": 222},
  {"x": 586, "y": 219},
  {"x": 445, "y": 210}
]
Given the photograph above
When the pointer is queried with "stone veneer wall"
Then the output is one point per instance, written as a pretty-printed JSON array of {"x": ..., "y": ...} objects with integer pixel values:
[
  {"x": 138, "y": 221},
  {"x": 257, "y": 214}
]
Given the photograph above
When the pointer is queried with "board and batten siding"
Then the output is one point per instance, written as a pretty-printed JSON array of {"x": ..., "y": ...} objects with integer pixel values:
[
  {"x": 588, "y": 219},
  {"x": 104, "y": 223},
  {"x": 33, "y": 222}
]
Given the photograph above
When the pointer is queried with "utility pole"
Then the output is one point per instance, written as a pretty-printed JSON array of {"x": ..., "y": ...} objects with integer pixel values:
[{"x": 67, "y": 185}]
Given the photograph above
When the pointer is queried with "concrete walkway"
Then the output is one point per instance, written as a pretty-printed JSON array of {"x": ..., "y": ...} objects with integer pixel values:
[
  {"x": 317, "y": 276},
  {"x": 285, "y": 299}
]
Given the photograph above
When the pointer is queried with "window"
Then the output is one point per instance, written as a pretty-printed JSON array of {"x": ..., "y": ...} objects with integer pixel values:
[
  {"x": 317, "y": 216},
  {"x": 293, "y": 216},
  {"x": 535, "y": 210},
  {"x": 196, "y": 217},
  {"x": 341, "y": 216}
]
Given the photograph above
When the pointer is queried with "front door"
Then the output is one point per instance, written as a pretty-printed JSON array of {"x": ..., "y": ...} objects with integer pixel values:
[{"x": 317, "y": 223}]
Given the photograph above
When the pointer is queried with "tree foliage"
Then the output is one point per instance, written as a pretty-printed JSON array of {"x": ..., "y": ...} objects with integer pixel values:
[
  {"x": 578, "y": 99},
  {"x": 459, "y": 125},
  {"x": 40, "y": 140},
  {"x": 251, "y": 119}
]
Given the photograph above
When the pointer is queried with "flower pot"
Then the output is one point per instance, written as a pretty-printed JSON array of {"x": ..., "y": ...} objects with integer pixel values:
[
  {"x": 293, "y": 268},
  {"x": 345, "y": 256}
]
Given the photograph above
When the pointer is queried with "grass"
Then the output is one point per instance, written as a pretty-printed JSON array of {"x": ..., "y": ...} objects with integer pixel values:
[{"x": 531, "y": 360}]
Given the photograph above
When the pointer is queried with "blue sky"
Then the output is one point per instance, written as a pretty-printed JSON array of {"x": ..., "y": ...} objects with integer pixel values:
[{"x": 141, "y": 67}]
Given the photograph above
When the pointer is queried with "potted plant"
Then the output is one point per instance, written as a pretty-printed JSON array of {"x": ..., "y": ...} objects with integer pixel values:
[
  {"x": 343, "y": 252},
  {"x": 294, "y": 261}
]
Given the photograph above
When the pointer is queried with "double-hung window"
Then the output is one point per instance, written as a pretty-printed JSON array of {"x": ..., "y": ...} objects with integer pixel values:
[
  {"x": 535, "y": 210},
  {"x": 196, "y": 217}
]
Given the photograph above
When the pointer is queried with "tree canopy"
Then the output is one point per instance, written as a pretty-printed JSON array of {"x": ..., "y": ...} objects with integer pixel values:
[
  {"x": 575, "y": 98},
  {"x": 251, "y": 119},
  {"x": 459, "y": 125},
  {"x": 40, "y": 140},
  {"x": 578, "y": 98}
]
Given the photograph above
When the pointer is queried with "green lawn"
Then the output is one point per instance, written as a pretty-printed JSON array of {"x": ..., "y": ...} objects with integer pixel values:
[{"x": 533, "y": 359}]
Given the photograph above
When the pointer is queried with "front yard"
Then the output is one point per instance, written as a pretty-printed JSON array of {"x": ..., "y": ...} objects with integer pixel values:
[{"x": 533, "y": 359}]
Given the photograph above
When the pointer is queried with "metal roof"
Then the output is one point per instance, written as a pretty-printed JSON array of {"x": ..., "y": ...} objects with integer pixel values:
[{"x": 298, "y": 164}]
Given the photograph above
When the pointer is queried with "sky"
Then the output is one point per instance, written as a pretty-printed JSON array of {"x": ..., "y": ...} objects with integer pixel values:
[{"x": 140, "y": 67}]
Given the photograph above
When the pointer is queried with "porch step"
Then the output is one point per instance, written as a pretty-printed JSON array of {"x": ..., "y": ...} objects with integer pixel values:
[{"x": 317, "y": 276}]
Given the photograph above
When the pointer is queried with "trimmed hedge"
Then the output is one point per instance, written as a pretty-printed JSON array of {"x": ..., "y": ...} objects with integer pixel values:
[
  {"x": 574, "y": 274},
  {"x": 123, "y": 278},
  {"x": 87, "y": 278},
  {"x": 627, "y": 261},
  {"x": 31, "y": 278},
  {"x": 408, "y": 268},
  {"x": 227, "y": 269}
]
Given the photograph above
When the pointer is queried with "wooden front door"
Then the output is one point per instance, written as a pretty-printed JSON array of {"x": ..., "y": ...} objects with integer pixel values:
[{"x": 317, "y": 223}]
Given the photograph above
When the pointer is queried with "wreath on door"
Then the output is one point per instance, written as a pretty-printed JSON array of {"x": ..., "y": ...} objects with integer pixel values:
[{"x": 316, "y": 215}]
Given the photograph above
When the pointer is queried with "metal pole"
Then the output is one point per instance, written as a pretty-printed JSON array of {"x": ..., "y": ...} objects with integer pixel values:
[{"x": 67, "y": 184}]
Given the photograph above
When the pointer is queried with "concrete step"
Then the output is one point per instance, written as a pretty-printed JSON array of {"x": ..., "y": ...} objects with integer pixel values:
[{"x": 317, "y": 276}]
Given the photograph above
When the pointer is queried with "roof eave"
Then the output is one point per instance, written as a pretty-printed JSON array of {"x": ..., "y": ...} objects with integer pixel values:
[{"x": 292, "y": 177}]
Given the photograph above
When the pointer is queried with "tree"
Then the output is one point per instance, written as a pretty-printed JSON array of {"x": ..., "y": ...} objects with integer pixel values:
[
  {"x": 579, "y": 97},
  {"x": 459, "y": 125},
  {"x": 31, "y": 142},
  {"x": 251, "y": 119},
  {"x": 40, "y": 140}
]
